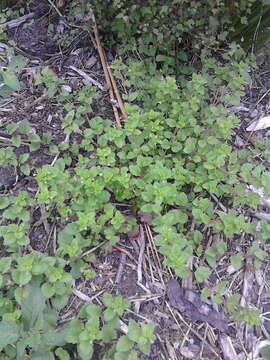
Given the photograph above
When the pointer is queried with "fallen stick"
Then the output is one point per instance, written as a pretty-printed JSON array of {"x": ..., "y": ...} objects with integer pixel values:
[
  {"x": 117, "y": 94},
  {"x": 86, "y": 77},
  {"x": 16, "y": 22},
  {"x": 106, "y": 73}
]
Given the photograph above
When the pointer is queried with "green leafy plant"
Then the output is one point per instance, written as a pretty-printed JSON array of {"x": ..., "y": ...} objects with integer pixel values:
[
  {"x": 9, "y": 76},
  {"x": 250, "y": 315},
  {"x": 173, "y": 158},
  {"x": 50, "y": 79}
]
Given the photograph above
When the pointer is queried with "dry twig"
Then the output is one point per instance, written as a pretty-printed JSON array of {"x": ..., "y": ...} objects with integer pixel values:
[
  {"x": 140, "y": 259},
  {"x": 120, "y": 268},
  {"x": 86, "y": 77},
  {"x": 16, "y": 22},
  {"x": 105, "y": 69}
]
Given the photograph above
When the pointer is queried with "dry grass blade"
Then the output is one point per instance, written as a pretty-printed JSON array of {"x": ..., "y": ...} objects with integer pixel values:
[
  {"x": 140, "y": 259},
  {"x": 122, "y": 250},
  {"x": 155, "y": 254},
  {"x": 84, "y": 297},
  {"x": 120, "y": 268},
  {"x": 86, "y": 77},
  {"x": 213, "y": 350},
  {"x": 227, "y": 348}
]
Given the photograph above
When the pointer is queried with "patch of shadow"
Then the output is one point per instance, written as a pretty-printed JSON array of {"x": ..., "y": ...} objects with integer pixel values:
[
  {"x": 128, "y": 285},
  {"x": 7, "y": 176}
]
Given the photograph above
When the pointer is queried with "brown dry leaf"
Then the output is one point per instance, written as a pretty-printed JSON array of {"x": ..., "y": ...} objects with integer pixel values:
[
  {"x": 60, "y": 4},
  {"x": 189, "y": 303},
  {"x": 249, "y": 288},
  {"x": 133, "y": 234},
  {"x": 145, "y": 217},
  {"x": 261, "y": 124}
]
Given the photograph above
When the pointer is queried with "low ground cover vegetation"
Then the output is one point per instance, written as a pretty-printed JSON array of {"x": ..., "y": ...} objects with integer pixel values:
[{"x": 173, "y": 168}]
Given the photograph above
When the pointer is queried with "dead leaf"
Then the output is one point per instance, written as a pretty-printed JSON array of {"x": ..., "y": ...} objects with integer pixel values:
[
  {"x": 145, "y": 217},
  {"x": 193, "y": 351},
  {"x": 60, "y": 4},
  {"x": 133, "y": 234},
  {"x": 190, "y": 352},
  {"x": 262, "y": 123},
  {"x": 189, "y": 303},
  {"x": 249, "y": 291}
]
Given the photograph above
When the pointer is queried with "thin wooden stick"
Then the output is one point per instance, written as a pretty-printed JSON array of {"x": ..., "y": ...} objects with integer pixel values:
[
  {"x": 122, "y": 250},
  {"x": 140, "y": 259},
  {"x": 120, "y": 269},
  {"x": 105, "y": 69},
  {"x": 117, "y": 94}
]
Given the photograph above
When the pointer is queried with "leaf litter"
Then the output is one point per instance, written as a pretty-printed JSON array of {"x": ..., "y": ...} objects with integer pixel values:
[{"x": 189, "y": 303}]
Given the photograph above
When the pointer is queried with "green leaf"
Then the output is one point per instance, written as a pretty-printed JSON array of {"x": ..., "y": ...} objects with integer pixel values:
[
  {"x": 21, "y": 277},
  {"x": 205, "y": 293},
  {"x": 265, "y": 352},
  {"x": 130, "y": 355},
  {"x": 62, "y": 354},
  {"x": 47, "y": 290},
  {"x": 20, "y": 348},
  {"x": 11, "y": 80},
  {"x": 108, "y": 333},
  {"x": 19, "y": 294},
  {"x": 236, "y": 260},
  {"x": 74, "y": 330},
  {"x": 221, "y": 247},
  {"x": 4, "y": 202},
  {"x": 16, "y": 140},
  {"x": 42, "y": 355},
  {"x": 148, "y": 331},
  {"x": 144, "y": 346},
  {"x": 24, "y": 126},
  {"x": 56, "y": 337},
  {"x": 9, "y": 331},
  {"x": 23, "y": 158},
  {"x": 124, "y": 344},
  {"x": 134, "y": 331},
  {"x": 17, "y": 63},
  {"x": 5, "y": 264},
  {"x": 202, "y": 273},
  {"x": 189, "y": 145},
  {"x": 211, "y": 254},
  {"x": 85, "y": 350},
  {"x": 10, "y": 352},
  {"x": 5, "y": 91},
  {"x": 25, "y": 169},
  {"x": 60, "y": 301},
  {"x": 12, "y": 127},
  {"x": 33, "y": 304}
]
